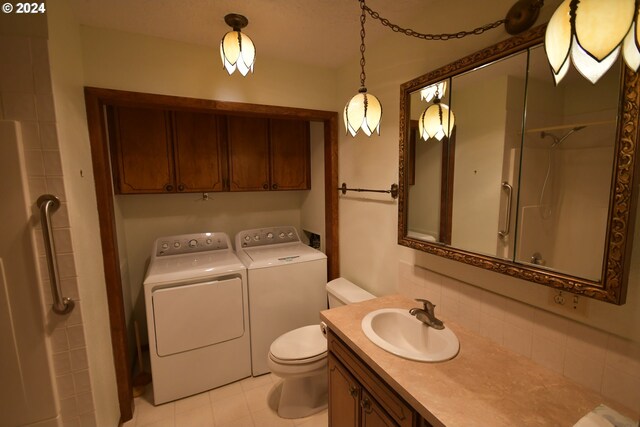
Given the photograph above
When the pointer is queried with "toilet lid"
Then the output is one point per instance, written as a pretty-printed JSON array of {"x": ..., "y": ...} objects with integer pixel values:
[{"x": 302, "y": 343}]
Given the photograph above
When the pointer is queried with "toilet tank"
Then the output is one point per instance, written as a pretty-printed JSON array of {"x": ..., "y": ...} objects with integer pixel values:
[{"x": 341, "y": 292}]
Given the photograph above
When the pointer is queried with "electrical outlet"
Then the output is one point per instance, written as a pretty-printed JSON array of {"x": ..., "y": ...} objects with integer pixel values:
[{"x": 568, "y": 302}]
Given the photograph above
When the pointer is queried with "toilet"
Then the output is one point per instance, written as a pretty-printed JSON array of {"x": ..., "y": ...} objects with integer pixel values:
[{"x": 299, "y": 357}]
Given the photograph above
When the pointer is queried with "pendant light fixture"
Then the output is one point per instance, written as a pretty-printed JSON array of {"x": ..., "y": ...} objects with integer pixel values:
[
  {"x": 437, "y": 120},
  {"x": 591, "y": 34},
  {"x": 364, "y": 110},
  {"x": 236, "y": 48}
]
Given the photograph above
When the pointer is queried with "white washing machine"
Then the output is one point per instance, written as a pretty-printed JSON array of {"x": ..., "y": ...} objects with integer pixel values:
[
  {"x": 197, "y": 315},
  {"x": 286, "y": 281}
]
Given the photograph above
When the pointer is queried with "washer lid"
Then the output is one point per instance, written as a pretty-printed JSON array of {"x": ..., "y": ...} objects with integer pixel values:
[
  {"x": 302, "y": 343},
  {"x": 279, "y": 254}
]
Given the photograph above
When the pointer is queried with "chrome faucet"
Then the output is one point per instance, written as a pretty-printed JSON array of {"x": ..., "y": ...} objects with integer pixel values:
[{"x": 427, "y": 314}]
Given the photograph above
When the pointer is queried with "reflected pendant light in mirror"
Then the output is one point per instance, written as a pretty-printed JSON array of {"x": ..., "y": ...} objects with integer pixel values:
[
  {"x": 436, "y": 121},
  {"x": 591, "y": 33},
  {"x": 236, "y": 48}
]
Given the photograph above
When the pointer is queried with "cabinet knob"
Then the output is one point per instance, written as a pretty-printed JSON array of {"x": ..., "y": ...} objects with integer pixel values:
[
  {"x": 353, "y": 390},
  {"x": 181, "y": 187},
  {"x": 265, "y": 186},
  {"x": 168, "y": 187},
  {"x": 366, "y": 405},
  {"x": 274, "y": 186}
]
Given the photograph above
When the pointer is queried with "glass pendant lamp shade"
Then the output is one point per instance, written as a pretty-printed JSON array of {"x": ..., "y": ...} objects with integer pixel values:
[
  {"x": 433, "y": 91},
  {"x": 236, "y": 48},
  {"x": 436, "y": 122},
  {"x": 590, "y": 34},
  {"x": 237, "y": 52},
  {"x": 363, "y": 111},
  {"x": 631, "y": 47}
]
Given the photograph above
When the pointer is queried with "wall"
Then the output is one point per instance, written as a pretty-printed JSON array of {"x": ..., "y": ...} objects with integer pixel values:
[
  {"x": 479, "y": 152},
  {"x": 368, "y": 231},
  {"x": 75, "y": 163},
  {"x": 119, "y": 60},
  {"x": 113, "y": 59},
  {"x": 368, "y": 225},
  {"x": 601, "y": 361},
  {"x": 39, "y": 89}
]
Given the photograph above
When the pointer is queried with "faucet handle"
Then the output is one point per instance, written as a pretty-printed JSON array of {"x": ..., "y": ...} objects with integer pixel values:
[{"x": 427, "y": 305}]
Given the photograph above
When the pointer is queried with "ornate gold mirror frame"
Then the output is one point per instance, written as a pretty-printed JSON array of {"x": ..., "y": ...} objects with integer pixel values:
[{"x": 612, "y": 285}]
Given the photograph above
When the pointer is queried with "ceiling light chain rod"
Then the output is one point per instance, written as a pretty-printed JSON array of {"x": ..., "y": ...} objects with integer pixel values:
[
  {"x": 533, "y": 5},
  {"x": 363, "y": 17}
]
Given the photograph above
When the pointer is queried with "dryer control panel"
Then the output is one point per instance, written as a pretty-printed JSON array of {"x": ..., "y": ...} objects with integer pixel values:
[
  {"x": 191, "y": 243},
  {"x": 266, "y": 236}
]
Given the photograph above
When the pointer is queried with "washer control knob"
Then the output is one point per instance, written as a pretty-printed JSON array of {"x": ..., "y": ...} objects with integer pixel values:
[
  {"x": 290, "y": 234},
  {"x": 193, "y": 243},
  {"x": 247, "y": 238},
  {"x": 165, "y": 245},
  {"x": 281, "y": 235},
  {"x": 256, "y": 237},
  {"x": 176, "y": 244},
  {"x": 269, "y": 235},
  {"x": 209, "y": 241}
]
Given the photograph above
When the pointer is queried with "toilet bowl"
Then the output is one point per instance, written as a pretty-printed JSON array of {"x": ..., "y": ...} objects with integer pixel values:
[{"x": 299, "y": 358}]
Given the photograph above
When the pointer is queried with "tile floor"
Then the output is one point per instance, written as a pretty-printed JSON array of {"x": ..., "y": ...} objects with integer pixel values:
[{"x": 239, "y": 404}]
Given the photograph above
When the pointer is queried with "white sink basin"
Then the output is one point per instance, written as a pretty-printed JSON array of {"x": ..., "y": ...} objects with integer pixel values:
[{"x": 400, "y": 333}]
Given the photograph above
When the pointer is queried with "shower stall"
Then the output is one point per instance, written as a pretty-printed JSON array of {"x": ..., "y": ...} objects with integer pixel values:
[{"x": 565, "y": 177}]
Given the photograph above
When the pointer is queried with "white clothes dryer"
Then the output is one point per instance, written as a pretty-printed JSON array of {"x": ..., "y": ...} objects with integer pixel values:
[
  {"x": 286, "y": 281},
  {"x": 197, "y": 315}
]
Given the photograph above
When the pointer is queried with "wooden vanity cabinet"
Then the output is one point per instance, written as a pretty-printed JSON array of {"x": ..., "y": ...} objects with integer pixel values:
[
  {"x": 268, "y": 154},
  {"x": 358, "y": 397}
]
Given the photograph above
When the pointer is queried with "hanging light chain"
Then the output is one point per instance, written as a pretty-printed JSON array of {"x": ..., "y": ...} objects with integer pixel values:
[
  {"x": 363, "y": 17},
  {"x": 412, "y": 33}
]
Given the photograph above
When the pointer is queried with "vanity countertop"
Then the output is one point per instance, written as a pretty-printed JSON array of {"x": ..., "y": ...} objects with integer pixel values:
[{"x": 484, "y": 385}]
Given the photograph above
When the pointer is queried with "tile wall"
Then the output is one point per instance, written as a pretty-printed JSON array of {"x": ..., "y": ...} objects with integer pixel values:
[
  {"x": 596, "y": 359},
  {"x": 26, "y": 96}
]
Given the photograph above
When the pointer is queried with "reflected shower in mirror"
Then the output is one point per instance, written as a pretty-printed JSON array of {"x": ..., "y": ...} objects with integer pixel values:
[
  {"x": 532, "y": 180},
  {"x": 566, "y": 170}
]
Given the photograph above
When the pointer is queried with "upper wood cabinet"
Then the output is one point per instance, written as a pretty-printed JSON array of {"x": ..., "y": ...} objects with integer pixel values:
[
  {"x": 290, "y": 159},
  {"x": 268, "y": 154},
  {"x": 248, "y": 153},
  {"x": 157, "y": 150},
  {"x": 200, "y": 152},
  {"x": 141, "y": 150}
]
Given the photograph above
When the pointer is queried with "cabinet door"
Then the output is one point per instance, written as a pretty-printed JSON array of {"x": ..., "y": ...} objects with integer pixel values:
[
  {"x": 199, "y": 152},
  {"x": 248, "y": 153},
  {"x": 141, "y": 150},
  {"x": 344, "y": 396},
  {"x": 372, "y": 413},
  {"x": 290, "y": 162}
]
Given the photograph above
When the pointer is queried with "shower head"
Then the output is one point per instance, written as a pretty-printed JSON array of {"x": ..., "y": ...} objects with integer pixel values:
[{"x": 557, "y": 141}]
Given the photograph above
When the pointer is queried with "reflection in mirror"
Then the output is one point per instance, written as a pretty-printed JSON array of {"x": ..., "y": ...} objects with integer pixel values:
[
  {"x": 429, "y": 218},
  {"x": 534, "y": 181},
  {"x": 567, "y": 162},
  {"x": 489, "y": 104}
]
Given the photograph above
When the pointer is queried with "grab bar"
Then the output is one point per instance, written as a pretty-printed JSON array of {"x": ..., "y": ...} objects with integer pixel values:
[
  {"x": 48, "y": 203},
  {"x": 504, "y": 233}
]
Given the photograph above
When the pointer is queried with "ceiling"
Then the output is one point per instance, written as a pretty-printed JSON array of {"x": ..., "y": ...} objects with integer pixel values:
[{"x": 317, "y": 32}]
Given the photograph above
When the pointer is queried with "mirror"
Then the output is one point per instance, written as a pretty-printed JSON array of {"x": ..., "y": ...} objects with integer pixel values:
[{"x": 525, "y": 178}]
